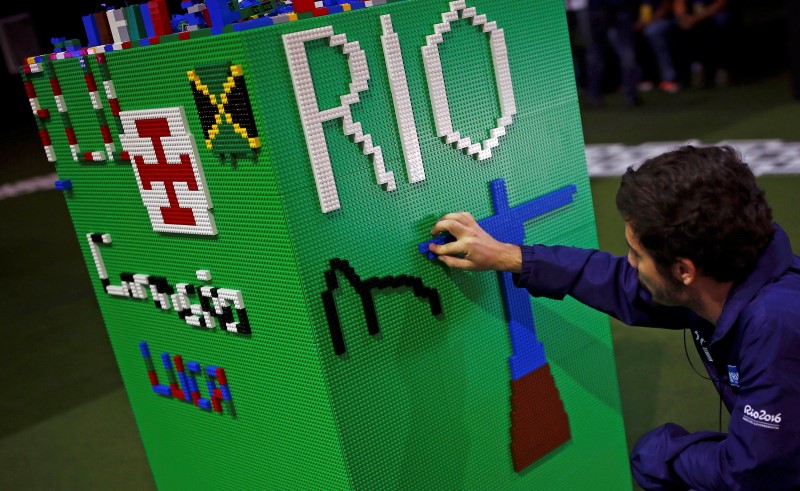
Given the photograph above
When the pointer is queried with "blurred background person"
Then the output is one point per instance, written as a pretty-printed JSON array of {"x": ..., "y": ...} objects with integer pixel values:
[
  {"x": 657, "y": 25},
  {"x": 612, "y": 21},
  {"x": 705, "y": 26}
]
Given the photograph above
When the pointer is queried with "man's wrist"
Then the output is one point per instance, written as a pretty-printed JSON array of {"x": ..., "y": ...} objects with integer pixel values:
[{"x": 512, "y": 259}]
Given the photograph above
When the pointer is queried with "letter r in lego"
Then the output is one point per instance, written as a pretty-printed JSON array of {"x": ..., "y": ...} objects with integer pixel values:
[{"x": 312, "y": 118}]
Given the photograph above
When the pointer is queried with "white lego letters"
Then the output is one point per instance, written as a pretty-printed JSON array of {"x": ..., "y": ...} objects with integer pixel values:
[
  {"x": 214, "y": 303},
  {"x": 438, "y": 92},
  {"x": 402, "y": 101},
  {"x": 312, "y": 118}
]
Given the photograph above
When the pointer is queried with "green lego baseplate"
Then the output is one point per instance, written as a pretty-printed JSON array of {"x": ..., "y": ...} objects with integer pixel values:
[{"x": 280, "y": 208}]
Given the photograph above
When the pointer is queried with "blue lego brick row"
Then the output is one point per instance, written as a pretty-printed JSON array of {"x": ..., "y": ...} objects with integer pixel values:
[
  {"x": 163, "y": 390},
  {"x": 252, "y": 24},
  {"x": 144, "y": 349},
  {"x": 64, "y": 185},
  {"x": 167, "y": 361}
]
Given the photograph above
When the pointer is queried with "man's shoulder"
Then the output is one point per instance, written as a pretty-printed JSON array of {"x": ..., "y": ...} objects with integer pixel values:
[{"x": 775, "y": 309}]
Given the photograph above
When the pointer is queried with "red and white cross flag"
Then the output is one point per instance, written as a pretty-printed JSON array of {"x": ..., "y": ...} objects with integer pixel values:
[{"x": 167, "y": 167}]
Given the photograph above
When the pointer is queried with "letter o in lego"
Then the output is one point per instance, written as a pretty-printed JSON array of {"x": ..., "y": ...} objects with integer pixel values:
[{"x": 438, "y": 92}]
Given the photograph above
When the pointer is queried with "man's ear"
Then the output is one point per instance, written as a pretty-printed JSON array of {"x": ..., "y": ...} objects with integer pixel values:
[{"x": 684, "y": 271}]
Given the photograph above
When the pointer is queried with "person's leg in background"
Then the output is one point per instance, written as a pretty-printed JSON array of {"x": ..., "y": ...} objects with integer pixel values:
[
  {"x": 596, "y": 24},
  {"x": 624, "y": 44},
  {"x": 658, "y": 35}
]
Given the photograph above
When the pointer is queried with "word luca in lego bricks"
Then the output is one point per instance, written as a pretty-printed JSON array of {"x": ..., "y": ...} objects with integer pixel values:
[
  {"x": 215, "y": 303},
  {"x": 312, "y": 117},
  {"x": 184, "y": 387}
]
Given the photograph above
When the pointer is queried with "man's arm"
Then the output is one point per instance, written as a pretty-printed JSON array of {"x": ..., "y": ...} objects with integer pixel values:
[
  {"x": 601, "y": 281},
  {"x": 762, "y": 447}
]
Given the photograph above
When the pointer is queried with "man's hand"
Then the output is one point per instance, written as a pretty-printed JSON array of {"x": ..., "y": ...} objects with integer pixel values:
[{"x": 473, "y": 248}]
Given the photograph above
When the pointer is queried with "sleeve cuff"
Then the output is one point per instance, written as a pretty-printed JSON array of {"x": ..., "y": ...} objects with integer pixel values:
[{"x": 522, "y": 279}]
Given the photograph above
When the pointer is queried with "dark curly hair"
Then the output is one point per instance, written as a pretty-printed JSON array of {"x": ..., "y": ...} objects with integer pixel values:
[{"x": 698, "y": 203}]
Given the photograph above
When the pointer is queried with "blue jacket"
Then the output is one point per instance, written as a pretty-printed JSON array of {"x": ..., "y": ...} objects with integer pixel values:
[{"x": 758, "y": 334}]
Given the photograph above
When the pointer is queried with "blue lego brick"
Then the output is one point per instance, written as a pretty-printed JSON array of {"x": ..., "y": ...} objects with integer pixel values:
[
  {"x": 355, "y": 5},
  {"x": 144, "y": 42},
  {"x": 226, "y": 392},
  {"x": 90, "y": 26},
  {"x": 64, "y": 185},
  {"x": 204, "y": 404},
  {"x": 211, "y": 371},
  {"x": 194, "y": 366},
  {"x": 252, "y": 24},
  {"x": 144, "y": 349},
  {"x": 108, "y": 48},
  {"x": 329, "y": 3},
  {"x": 38, "y": 59},
  {"x": 193, "y": 387},
  {"x": 167, "y": 361},
  {"x": 221, "y": 15},
  {"x": 185, "y": 386},
  {"x": 148, "y": 21},
  {"x": 163, "y": 390},
  {"x": 335, "y": 9}
]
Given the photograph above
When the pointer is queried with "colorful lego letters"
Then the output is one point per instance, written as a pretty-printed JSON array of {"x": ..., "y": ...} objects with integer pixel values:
[{"x": 184, "y": 387}]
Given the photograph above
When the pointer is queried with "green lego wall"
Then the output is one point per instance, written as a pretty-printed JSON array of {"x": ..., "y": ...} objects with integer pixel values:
[{"x": 426, "y": 401}]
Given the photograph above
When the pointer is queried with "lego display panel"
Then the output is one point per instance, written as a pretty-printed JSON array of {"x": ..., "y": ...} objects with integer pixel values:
[{"x": 254, "y": 208}]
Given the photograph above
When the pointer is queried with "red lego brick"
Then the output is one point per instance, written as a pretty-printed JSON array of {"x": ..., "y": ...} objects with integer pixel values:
[
  {"x": 539, "y": 423},
  {"x": 303, "y": 6}
]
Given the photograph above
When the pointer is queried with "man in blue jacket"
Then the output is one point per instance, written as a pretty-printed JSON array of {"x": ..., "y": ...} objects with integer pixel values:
[{"x": 704, "y": 255}]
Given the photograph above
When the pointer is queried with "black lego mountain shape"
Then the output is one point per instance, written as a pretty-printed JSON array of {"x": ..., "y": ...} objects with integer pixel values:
[{"x": 364, "y": 289}]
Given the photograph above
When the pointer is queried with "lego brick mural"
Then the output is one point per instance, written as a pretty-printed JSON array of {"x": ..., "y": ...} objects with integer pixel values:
[{"x": 254, "y": 193}]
